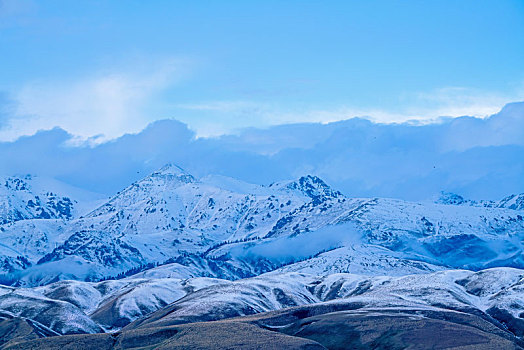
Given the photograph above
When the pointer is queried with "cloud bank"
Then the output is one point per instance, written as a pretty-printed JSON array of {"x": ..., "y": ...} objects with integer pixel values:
[{"x": 478, "y": 158}]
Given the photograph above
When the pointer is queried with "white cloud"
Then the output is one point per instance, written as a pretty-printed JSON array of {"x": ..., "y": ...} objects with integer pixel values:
[
  {"x": 105, "y": 104},
  {"x": 421, "y": 108},
  {"x": 219, "y": 106},
  {"x": 460, "y": 101}
]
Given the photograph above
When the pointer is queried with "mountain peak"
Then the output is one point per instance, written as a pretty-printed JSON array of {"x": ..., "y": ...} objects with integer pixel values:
[
  {"x": 173, "y": 171},
  {"x": 314, "y": 187},
  {"x": 515, "y": 201},
  {"x": 450, "y": 198}
]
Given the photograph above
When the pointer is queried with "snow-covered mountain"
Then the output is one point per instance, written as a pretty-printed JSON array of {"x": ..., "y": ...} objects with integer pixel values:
[
  {"x": 221, "y": 227},
  {"x": 32, "y": 197},
  {"x": 172, "y": 249},
  {"x": 515, "y": 201}
]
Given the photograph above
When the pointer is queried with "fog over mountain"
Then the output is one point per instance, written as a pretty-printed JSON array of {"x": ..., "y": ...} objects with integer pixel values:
[{"x": 477, "y": 158}]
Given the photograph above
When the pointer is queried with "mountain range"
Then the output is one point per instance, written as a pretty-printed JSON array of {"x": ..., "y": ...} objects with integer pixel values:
[{"x": 172, "y": 249}]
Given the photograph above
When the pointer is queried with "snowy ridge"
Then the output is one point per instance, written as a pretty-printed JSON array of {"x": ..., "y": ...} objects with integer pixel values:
[
  {"x": 110, "y": 305},
  {"x": 222, "y": 227},
  {"x": 514, "y": 201},
  {"x": 31, "y": 197}
]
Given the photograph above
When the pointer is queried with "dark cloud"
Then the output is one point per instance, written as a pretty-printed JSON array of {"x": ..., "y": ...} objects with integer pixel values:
[{"x": 474, "y": 157}]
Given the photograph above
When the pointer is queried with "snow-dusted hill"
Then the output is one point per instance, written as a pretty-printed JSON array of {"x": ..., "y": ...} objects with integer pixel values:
[
  {"x": 495, "y": 293},
  {"x": 72, "y": 307},
  {"x": 221, "y": 227},
  {"x": 86, "y": 307}
]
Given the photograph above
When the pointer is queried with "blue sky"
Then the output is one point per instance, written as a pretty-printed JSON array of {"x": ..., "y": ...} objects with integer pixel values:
[{"x": 99, "y": 69}]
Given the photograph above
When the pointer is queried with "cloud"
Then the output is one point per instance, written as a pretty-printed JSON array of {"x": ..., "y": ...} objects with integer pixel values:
[
  {"x": 220, "y": 106},
  {"x": 106, "y": 104},
  {"x": 423, "y": 107},
  {"x": 215, "y": 118},
  {"x": 6, "y": 106},
  {"x": 103, "y": 105},
  {"x": 461, "y": 101},
  {"x": 303, "y": 245},
  {"x": 478, "y": 158}
]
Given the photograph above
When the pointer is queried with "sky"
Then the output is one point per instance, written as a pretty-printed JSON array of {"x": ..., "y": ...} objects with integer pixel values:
[{"x": 101, "y": 69}]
